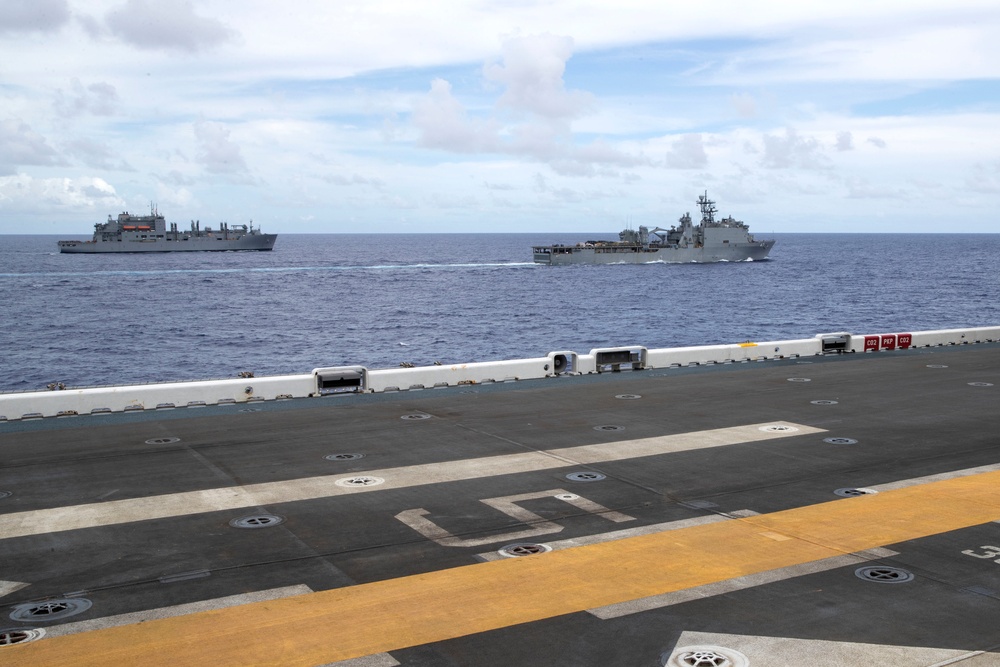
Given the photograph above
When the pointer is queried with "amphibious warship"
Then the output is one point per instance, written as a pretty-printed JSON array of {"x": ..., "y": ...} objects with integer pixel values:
[
  {"x": 149, "y": 233},
  {"x": 711, "y": 240},
  {"x": 827, "y": 501}
]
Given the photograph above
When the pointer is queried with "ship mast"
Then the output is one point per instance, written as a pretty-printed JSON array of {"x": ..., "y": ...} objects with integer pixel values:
[{"x": 707, "y": 206}]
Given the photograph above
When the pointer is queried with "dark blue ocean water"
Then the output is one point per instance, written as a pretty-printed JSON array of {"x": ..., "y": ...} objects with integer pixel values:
[{"x": 329, "y": 300}]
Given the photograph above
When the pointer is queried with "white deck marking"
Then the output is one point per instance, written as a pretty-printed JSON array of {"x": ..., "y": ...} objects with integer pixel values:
[
  {"x": 901, "y": 484},
  {"x": 416, "y": 520},
  {"x": 792, "y": 652},
  {"x": 38, "y": 522},
  {"x": 8, "y": 587},
  {"x": 375, "y": 660}
]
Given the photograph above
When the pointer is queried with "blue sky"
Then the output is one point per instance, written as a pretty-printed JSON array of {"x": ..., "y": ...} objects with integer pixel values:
[{"x": 508, "y": 116}]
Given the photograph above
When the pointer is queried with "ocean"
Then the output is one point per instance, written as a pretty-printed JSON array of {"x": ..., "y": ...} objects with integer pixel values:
[{"x": 381, "y": 300}]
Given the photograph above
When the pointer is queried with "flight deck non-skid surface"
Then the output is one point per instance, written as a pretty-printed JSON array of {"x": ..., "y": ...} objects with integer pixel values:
[{"x": 822, "y": 511}]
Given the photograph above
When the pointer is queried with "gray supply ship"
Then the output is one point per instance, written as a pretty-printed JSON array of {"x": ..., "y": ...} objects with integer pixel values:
[
  {"x": 149, "y": 233},
  {"x": 711, "y": 240}
]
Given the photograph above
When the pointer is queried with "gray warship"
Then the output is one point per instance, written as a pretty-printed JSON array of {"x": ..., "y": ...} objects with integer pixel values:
[
  {"x": 149, "y": 233},
  {"x": 711, "y": 240}
]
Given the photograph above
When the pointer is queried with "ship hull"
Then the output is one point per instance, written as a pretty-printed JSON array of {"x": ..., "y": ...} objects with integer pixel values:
[
  {"x": 735, "y": 252},
  {"x": 208, "y": 244}
]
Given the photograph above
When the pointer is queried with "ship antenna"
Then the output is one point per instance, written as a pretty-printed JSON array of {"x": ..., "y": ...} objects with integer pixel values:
[{"x": 707, "y": 208}]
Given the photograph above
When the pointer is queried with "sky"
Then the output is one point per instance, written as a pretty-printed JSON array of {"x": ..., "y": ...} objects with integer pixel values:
[{"x": 383, "y": 116}]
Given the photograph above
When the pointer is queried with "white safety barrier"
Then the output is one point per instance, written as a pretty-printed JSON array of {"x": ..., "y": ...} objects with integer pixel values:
[
  {"x": 739, "y": 352},
  {"x": 429, "y": 377},
  {"x": 358, "y": 379},
  {"x": 164, "y": 396},
  {"x": 903, "y": 341}
]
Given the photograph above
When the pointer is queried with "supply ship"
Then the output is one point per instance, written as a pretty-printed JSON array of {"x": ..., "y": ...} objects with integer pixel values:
[
  {"x": 149, "y": 233},
  {"x": 711, "y": 240}
]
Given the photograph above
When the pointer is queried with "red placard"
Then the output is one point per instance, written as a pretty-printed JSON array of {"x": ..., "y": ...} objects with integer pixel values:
[
  {"x": 903, "y": 341},
  {"x": 871, "y": 343},
  {"x": 888, "y": 341}
]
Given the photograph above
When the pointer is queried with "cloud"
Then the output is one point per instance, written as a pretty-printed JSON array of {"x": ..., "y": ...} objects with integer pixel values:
[
  {"x": 792, "y": 150},
  {"x": 444, "y": 123},
  {"x": 454, "y": 200},
  {"x": 532, "y": 74},
  {"x": 20, "y": 145},
  {"x": 95, "y": 154},
  {"x": 355, "y": 179},
  {"x": 985, "y": 178},
  {"x": 175, "y": 177},
  {"x": 22, "y": 192},
  {"x": 875, "y": 141},
  {"x": 99, "y": 99},
  {"x": 170, "y": 26},
  {"x": 744, "y": 104},
  {"x": 858, "y": 188},
  {"x": 216, "y": 151},
  {"x": 687, "y": 152},
  {"x": 542, "y": 187},
  {"x": 845, "y": 141},
  {"x": 33, "y": 16}
]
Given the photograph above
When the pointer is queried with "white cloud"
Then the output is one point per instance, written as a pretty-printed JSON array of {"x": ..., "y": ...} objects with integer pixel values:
[
  {"x": 687, "y": 152},
  {"x": 985, "y": 178},
  {"x": 858, "y": 188},
  {"x": 792, "y": 150},
  {"x": 444, "y": 123},
  {"x": 175, "y": 177},
  {"x": 845, "y": 141},
  {"x": 885, "y": 43},
  {"x": 355, "y": 179},
  {"x": 174, "y": 198},
  {"x": 33, "y": 15},
  {"x": 99, "y": 99},
  {"x": 96, "y": 154},
  {"x": 745, "y": 104},
  {"x": 20, "y": 145},
  {"x": 532, "y": 75},
  {"x": 169, "y": 26},
  {"x": 86, "y": 194},
  {"x": 216, "y": 151}
]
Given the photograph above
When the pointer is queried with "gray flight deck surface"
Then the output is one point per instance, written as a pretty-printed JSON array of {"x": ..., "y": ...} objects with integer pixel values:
[{"x": 437, "y": 481}]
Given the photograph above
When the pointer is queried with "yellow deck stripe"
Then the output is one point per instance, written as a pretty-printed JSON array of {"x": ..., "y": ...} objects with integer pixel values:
[{"x": 333, "y": 625}]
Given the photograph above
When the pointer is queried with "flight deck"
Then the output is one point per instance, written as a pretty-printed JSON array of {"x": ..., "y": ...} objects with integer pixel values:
[{"x": 827, "y": 509}]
